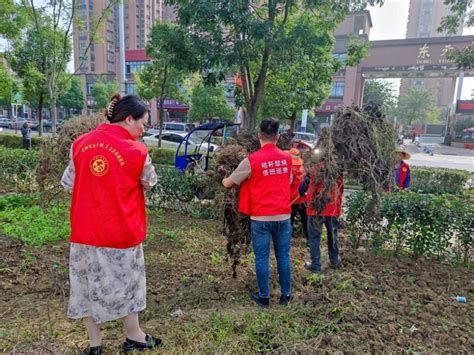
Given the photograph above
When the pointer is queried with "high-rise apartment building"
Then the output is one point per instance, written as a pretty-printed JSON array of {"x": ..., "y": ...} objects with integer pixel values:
[
  {"x": 101, "y": 61},
  {"x": 424, "y": 18}
]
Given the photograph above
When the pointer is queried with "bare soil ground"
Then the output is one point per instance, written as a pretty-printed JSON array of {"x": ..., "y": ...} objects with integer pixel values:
[{"x": 373, "y": 303}]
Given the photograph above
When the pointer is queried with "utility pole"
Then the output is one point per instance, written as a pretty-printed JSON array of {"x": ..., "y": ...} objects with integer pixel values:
[{"x": 123, "y": 88}]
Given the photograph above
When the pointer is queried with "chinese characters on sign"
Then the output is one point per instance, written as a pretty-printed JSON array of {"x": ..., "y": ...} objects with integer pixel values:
[
  {"x": 424, "y": 55},
  {"x": 274, "y": 167}
]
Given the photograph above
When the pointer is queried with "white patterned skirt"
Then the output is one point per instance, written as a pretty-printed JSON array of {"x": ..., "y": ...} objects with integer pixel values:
[{"x": 106, "y": 283}]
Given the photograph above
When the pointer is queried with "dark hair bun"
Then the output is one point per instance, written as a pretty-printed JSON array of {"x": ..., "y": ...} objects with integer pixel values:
[{"x": 109, "y": 111}]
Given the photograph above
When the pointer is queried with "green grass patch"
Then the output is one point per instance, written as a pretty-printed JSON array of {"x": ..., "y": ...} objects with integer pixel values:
[{"x": 36, "y": 226}]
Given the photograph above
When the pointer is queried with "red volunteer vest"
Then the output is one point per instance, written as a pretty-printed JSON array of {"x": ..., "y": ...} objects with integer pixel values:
[
  {"x": 298, "y": 177},
  {"x": 333, "y": 207},
  {"x": 267, "y": 191},
  {"x": 403, "y": 175},
  {"x": 108, "y": 203}
]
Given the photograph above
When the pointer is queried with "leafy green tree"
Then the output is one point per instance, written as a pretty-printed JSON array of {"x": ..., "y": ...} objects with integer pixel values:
[
  {"x": 301, "y": 78},
  {"x": 44, "y": 42},
  {"x": 11, "y": 19},
  {"x": 415, "y": 107},
  {"x": 380, "y": 93},
  {"x": 461, "y": 13},
  {"x": 73, "y": 98},
  {"x": 229, "y": 35},
  {"x": 102, "y": 92},
  {"x": 171, "y": 61},
  {"x": 209, "y": 102},
  {"x": 7, "y": 88}
]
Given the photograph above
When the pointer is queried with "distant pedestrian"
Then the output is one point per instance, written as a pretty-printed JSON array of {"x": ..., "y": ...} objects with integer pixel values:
[
  {"x": 402, "y": 170},
  {"x": 26, "y": 133}
]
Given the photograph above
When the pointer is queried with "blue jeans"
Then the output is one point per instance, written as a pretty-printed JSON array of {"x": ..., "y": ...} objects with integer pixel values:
[
  {"x": 262, "y": 233},
  {"x": 314, "y": 232}
]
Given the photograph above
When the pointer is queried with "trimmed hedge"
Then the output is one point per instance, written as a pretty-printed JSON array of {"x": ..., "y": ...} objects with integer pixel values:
[
  {"x": 436, "y": 181},
  {"x": 162, "y": 156},
  {"x": 423, "y": 225},
  {"x": 16, "y": 141},
  {"x": 17, "y": 168},
  {"x": 439, "y": 180}
]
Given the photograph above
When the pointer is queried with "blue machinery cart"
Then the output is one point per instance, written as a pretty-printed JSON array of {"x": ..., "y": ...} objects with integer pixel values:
[{"x": 189, "y": 158}]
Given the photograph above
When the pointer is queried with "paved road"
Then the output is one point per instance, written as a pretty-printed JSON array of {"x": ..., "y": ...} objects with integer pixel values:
[{"x": 443, "y": 156}]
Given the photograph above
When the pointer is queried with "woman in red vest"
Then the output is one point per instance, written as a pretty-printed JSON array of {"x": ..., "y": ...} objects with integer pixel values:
[{"x": 107, "y": 173}]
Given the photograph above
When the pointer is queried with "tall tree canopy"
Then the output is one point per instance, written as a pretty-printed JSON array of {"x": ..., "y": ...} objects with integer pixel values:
[
  {"x": 227, "y": 35},
  {"x": 380, "y": 93},
  {"x": 461, "y": 14},
  {"x": 209, "y": 102},
  {"x": 416, "y": 107}
]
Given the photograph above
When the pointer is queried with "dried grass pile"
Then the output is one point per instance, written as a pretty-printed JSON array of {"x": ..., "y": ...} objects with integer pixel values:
[
  {"x": 54, "y": 154},
  {"x": 361, "y": 144}
]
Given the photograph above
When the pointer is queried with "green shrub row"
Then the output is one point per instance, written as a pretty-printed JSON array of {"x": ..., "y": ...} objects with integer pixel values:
[
  {"x": 162, "y": 156},
  {"x": 189, "y": 193},
  {"x": 439, "y": 226},
  {"x": 16, "y": 141},
  {"x": 434, "y": 181},
  {"x": 17, "y": 168},
  {"x": 439, "y": 181}
]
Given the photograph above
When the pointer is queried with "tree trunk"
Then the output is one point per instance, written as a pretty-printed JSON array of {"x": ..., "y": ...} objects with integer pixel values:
[
  {"x": 254, "y": 102},
  {"x": 162, "y": 100},
  {"x": 40, "y": 115},
  {"x": 292, "y": 119},
  {"x": 54, "y": 113},
  {"x": 160, "y": 120}
]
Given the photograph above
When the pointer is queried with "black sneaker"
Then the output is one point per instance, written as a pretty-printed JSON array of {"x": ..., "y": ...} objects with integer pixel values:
[
  {"x": 309, "y": 266},
  {"x": 93, "y": 350},
  {"x": 337, "y": 264},
  {"x": 285, "y": 300},
  {"x": 150, "y": 343},
  {"x": 263, "y": 302}
]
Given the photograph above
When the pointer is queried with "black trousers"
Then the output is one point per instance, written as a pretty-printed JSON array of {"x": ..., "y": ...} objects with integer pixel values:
[
  {"x": 300, "y": 209},
  {"x": 26, "y": 143}
]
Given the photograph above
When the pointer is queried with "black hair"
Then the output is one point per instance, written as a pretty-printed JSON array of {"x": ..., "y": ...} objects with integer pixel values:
[
  {"x": 269, "y": 128},
  {"x": 119, "y": 108}
]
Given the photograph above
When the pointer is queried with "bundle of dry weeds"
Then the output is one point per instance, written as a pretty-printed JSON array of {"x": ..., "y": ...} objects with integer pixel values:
[{"x": 54, "y": 154}]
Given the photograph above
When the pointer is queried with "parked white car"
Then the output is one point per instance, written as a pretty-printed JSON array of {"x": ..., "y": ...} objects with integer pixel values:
[
  {"x": 173, "y": 139},
  {"x": 308, "y": 138}
]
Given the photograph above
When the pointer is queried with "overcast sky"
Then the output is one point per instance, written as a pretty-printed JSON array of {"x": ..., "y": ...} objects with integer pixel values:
[{"x": 390, "y": 22}]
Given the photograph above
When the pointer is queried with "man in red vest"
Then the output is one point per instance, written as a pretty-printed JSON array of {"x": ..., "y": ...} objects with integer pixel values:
[
  {"x": 329, "y": 216},
  {"x": 265, "y": 178}
]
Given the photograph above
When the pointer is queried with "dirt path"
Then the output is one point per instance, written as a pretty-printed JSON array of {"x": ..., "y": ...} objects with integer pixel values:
[{"x": 373, "y": 303}]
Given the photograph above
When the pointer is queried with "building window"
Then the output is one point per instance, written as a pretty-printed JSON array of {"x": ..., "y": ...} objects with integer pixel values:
[
  {"x": 337, "y": 89},
  {"x": 131, "y": 89},
  {"x": 89, "y": 88},
  {"x": 131, "y": 67},
  {"x": 340, "y": 57}
]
